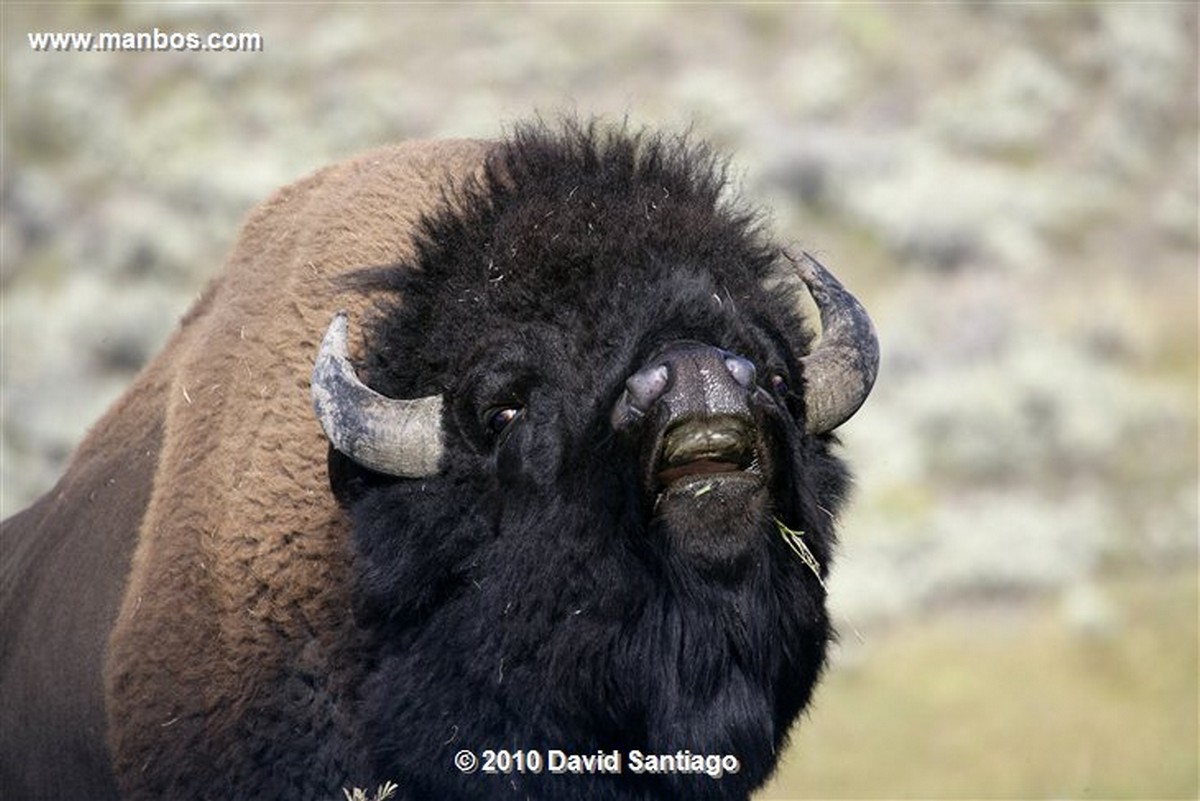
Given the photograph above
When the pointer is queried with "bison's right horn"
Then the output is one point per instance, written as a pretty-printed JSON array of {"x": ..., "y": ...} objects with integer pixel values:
[
  {"x": 841, "y": 370},
  {"x": 395, "y": 437}
]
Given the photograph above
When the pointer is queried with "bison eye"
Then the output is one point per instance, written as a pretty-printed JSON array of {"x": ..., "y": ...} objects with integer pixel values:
[
  {"x": 779, "y": 384},
  {"x": 499, "y": 418}
]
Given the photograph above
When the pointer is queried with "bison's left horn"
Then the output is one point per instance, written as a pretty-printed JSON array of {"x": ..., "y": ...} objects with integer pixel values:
[
  {"x": 396, "y": 437},
  {"x": 840, "y": 371}
]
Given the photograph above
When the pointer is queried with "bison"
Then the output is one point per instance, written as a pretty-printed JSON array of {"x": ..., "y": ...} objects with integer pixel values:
[{"x": 557, "y": 483}]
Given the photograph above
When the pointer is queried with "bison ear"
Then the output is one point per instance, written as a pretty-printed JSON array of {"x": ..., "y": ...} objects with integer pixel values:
[{"x": 349, "y": 480}]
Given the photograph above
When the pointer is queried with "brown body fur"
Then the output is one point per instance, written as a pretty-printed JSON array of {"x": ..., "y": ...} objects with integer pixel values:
[
  {"x": 240, "y": 577},
  {"x": 52, "y": 715}
]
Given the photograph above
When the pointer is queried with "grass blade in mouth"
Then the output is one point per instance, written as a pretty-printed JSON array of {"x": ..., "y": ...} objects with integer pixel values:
[{"x": 795, "y": 541}]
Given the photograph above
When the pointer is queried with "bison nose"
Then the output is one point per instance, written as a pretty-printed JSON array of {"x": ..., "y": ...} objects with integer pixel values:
[
  {"x": 742, "y": 370},
  {"x": 644, "y": 387},
  {"x": 684, "y": 379}
]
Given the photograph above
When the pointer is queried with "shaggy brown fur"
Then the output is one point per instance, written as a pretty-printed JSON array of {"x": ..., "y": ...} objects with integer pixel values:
[{"x": 240, "y": 578}]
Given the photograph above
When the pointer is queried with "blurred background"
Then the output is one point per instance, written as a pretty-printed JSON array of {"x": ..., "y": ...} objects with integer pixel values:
[{"x": 1010, "y": 188}]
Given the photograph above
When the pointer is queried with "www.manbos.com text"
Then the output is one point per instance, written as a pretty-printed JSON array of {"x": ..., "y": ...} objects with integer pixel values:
[{"x": 153, "y": 41}]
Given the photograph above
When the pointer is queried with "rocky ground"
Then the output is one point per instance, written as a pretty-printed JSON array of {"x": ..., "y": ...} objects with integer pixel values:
[{"x": 1011, "y": 189}]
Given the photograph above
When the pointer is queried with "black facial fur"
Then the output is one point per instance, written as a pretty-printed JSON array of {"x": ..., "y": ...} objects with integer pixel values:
[{"x": 531, "y": 595}]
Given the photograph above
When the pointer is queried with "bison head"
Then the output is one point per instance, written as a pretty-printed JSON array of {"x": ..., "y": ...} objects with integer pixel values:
[{"x": 595, "y": 411}]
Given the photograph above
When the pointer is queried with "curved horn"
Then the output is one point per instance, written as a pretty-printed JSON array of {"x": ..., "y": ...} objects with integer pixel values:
[
  {"x": 396, "y": 437},
  {"x": 840, "y": 371}
]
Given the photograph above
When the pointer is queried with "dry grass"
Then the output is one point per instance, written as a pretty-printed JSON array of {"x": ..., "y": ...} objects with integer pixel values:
[
  {"x": 382, "y": 793},
  {"x": 795, "y": 541}
]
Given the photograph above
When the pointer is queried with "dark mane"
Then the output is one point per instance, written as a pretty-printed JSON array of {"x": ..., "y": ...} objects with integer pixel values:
[{"x": 570, "y": 210}]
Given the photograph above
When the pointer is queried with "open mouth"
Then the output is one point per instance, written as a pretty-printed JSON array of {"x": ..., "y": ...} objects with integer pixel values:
[{"x": 710, "y": 448}]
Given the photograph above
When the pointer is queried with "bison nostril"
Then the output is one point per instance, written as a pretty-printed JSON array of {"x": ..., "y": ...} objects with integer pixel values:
[
  {"x": 646, "y": 386},
  {"x": 742, "y": 370}
]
